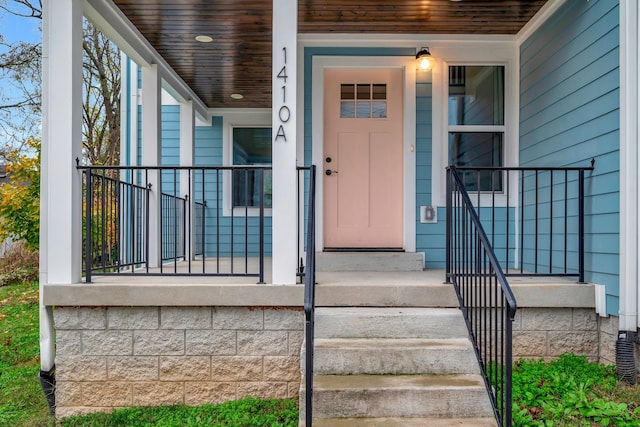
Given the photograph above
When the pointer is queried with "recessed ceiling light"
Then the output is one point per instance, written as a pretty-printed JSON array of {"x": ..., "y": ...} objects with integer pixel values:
[
  {"x": 237, "y": 96},
  {"x": 204, "y": 39}
]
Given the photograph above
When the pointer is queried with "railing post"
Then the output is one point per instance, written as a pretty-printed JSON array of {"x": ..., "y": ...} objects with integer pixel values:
[
  {"x": 448, "y": 219},
  {"x": 88, "y": 209},
  {"x": 261, "y": 187},
  {"x": 508, "y": 416},
  {"x": 581, "y": 226}
]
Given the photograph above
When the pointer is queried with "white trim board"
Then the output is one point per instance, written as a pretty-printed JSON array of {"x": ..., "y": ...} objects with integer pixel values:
[
  {"x": 488, "y": 54},
  {"x": 407, "y": 64}
]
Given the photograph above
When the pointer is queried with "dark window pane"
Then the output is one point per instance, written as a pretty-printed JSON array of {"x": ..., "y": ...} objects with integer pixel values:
[
  {"x": 379, "y": 91},
  {"x": 251, "y": 146},
  {"x": 364, "y": 91},
  {"x": 347, "y": 91},
  {"x": 477, "y": 149},
  {"x": 476, "y": 95}
]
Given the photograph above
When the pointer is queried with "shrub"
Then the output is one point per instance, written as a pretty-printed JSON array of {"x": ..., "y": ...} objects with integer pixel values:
[{"x": 19, "y": 265}]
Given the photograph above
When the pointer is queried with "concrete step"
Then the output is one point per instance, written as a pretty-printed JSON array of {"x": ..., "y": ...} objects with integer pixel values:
[
  {"x": 347, "y": 356},
  {"x": 369, "y": 261},
  {"x": 410, "y": 396},
  {"x": 384, "y": 289},
  {"x": 389, "y": 322},
  {"x": 399, "y": 422}
]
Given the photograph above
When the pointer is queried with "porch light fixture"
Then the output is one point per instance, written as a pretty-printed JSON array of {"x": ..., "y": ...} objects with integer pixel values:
[
  {"x": 204, "y": 38},
  {"x": 236, "y": 96},
  {"x": 424, "y": 59}
]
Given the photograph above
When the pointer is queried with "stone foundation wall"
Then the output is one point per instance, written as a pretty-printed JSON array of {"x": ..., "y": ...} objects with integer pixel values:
[
  {"x": 122, "y": 356},
  {"x": 549, "y": 332}
]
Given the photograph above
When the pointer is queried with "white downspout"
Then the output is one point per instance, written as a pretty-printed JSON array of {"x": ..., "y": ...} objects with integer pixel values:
[{"x": 628, "y": 165}]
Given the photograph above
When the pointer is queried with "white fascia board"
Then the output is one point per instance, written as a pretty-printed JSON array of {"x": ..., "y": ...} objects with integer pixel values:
[
  {"x": 396, "y": 40},
  {"x": 538, "y": 19},
  {"x": 105, "y": 15}
]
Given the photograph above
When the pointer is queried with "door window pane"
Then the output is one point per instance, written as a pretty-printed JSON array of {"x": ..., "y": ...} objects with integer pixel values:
[
  {"x": 476, "y": 95},
  {"x": 363, "y": 101},
  {"x": 251, "y": 146}
]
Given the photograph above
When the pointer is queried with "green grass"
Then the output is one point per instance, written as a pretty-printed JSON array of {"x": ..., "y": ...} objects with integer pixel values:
[
  {"x": 570, "y": 391},
  {"x": 22, "y": 402},
  {"x": 238, "y": 413}
]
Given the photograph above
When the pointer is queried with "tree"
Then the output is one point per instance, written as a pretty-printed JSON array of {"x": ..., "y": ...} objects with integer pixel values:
[
  {"x": 20, "y": 69},
  {"x": 20, "y": 65},
  {"x": 20, "y": 198},
  {"x": 101, "y": 108}
]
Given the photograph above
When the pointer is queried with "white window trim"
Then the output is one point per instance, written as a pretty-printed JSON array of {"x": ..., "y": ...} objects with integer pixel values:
[
  {"x": 474, "y": 55},
  {"x": 249, "y": 117}
]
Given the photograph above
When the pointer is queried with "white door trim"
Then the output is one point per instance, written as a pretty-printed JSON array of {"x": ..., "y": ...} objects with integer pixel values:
[{"x": 407, "y": 64}]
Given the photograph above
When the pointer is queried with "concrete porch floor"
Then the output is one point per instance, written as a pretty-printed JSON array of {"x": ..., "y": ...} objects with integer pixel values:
[{"x": 424, "y": 288}]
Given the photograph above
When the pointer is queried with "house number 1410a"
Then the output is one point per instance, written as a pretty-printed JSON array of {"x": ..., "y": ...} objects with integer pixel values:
[{"x": 283, "y": 114}]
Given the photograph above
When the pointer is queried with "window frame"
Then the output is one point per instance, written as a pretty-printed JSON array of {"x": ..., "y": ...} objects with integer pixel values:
[
  {"x": 239, "y": 118},
  {"x": 441, "y": 127}
]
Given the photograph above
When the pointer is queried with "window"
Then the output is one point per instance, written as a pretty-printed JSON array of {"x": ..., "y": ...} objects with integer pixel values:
[
  {"x": 476, "y": 123},
  {"x": 363, "y": 101},
  {"x": 251, "y": 146}
]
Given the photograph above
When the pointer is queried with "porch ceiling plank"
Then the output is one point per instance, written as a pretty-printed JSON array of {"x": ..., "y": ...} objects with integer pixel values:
[{"x": 239, "y": 58}]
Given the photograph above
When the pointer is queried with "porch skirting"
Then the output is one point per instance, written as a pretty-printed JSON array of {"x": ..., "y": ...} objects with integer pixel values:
[{"x": 110, "y": 357}]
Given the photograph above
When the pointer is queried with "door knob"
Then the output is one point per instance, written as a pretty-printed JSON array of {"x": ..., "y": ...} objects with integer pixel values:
[{"x": 328, "y": 172}]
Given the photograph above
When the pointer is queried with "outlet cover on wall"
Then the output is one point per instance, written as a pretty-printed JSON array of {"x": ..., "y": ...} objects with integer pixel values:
[{"x": 428, "y": 214}]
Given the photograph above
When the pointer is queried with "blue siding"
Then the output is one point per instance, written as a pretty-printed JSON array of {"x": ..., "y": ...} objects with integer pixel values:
[
  {"x": 170, "y": 148},
  {"x": 569, "y": 113},
  {"x": 229, "y": 229},
  {"x": 430, "y": 238}
]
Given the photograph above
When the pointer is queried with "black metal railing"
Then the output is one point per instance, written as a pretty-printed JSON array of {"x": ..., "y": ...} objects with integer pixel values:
[
  {"x": 114, "y": 213},
  {"x": 484, "y": 295},
  {"x": 303, "y": 182},
  {"x": 310, "y": 296},
  {"x": 533, "y": 216},
  {"x": 174, "y": 227},
  {"x": 204, "y": 231}
]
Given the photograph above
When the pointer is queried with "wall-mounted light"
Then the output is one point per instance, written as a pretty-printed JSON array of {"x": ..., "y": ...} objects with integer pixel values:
[{"x": 424, "y": 59}]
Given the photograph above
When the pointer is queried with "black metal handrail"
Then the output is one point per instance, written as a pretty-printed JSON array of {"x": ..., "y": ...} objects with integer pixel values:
[
  {"x": 118, "y": 206},
  {"x": 533, "y": 215},
  {"x": 486, "y": 300},
  {"x": 310, "y": 297}
]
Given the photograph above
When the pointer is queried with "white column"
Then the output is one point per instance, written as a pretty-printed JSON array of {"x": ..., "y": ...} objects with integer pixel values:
[
  {"x": 284, "y": 83},
  {"x": 62, "y": 142},
  {"x": 187, "y": 142},
  {"x": 151, "y": 139}
]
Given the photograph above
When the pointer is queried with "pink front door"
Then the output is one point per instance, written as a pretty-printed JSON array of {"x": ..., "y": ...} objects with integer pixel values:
[{"x": 362, "y": 161}]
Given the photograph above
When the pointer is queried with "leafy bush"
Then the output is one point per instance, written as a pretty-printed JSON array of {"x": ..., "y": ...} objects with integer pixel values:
[
  {"x": 568, "y": 392},
  {"x": 20, "y": 198},
  {"x": 19, "y": 265}
]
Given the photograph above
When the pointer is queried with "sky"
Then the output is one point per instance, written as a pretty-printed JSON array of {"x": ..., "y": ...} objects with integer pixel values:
[{"x": 15, "y": 28}]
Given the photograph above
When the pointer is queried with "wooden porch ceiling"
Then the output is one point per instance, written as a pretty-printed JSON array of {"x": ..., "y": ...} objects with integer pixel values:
[{"x": 239, "y": 58}]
